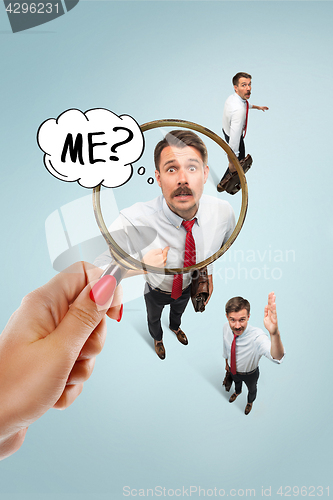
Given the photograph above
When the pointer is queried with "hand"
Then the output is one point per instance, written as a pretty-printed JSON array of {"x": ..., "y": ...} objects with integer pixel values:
[
  {"x": 231, "y": 166},
  {"x": 156, "y": 257},
  {"x": 263, "y": 108},
  {"x": 227, "y": 366},
  {"x": 210, "y": 287},
  {"x": 48, "y": 349},
  {"x": 270, "y": 316}
]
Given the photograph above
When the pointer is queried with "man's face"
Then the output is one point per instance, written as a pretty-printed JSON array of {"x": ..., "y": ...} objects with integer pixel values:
[
  {"x": 182, "y": 177},
  {"x": 238, "y": 321},
  {"x": 243, "y": 89}
]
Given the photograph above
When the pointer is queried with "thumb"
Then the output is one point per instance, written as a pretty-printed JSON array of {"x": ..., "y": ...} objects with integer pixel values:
[
  {"x": 165, "y": 252},
  {"x": 83, "y": 316}
]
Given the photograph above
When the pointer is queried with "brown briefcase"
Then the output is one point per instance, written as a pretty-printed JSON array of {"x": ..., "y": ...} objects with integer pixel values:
[
  {"x": 227, "y": 382},
  {"x": 199, "y": 289}
]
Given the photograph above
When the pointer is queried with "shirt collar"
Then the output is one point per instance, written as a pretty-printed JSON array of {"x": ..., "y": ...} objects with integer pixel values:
[
  {"x": 246, "y": 331},
  {"x": 198, "y": 215},
  {"x": 239, "y": 97},
  {"x": 173, "y": 218}
]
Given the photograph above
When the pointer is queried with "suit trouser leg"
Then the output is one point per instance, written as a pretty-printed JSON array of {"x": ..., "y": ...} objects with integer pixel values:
[
  {"x": 238, "y": 383},
  {"x": 250, "y": 380},
  {"x": 251, "y": 383},
  {"x": 177, "y": 308},
  {"x": 241, "y": 154},
  {"x": 154, "y": 306},
  {"x": 155, "y": 302}
]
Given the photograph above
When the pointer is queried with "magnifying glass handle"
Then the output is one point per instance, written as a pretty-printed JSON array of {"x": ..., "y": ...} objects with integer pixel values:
[
  {"x": 102, "y": 291},
  {"x": 115, "y": 270}
]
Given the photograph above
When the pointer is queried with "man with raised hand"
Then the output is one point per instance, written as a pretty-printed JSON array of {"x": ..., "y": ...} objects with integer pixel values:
[{"x": 243, "y": 345}]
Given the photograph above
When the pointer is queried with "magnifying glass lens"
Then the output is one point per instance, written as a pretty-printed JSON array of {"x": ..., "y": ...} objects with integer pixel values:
[{"x": 151, "y": 235}]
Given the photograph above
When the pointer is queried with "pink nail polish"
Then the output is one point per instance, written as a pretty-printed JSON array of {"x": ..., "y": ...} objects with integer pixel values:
[
  {"x": 120, "y": 312},
  {"x": 103, "y": 290}
]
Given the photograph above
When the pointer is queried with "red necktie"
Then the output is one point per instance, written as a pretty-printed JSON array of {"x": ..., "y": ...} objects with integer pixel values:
[
  {"x": 247, "y": 114},
  {"x": 189, "y": 259},
  {"x": 233, "y": 356}
]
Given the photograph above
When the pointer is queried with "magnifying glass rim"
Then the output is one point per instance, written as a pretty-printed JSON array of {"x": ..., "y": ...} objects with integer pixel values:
[{"x": 129, "y": 262}]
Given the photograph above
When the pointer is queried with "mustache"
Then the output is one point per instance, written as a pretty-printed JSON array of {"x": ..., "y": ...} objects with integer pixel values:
[{"x": 181, "y": 190}]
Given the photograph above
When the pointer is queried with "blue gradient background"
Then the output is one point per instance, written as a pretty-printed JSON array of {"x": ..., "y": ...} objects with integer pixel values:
[{"x": 140, "y": 422}]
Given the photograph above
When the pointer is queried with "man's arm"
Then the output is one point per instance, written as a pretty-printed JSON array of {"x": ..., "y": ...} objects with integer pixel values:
[
  {"x": 236, "y": 130},
  {"x": 271, "y": 324},
  {"x": 132, "y": 240},
  {"x": 261, "y": 108},
  {"x": 225, "y": 354}
]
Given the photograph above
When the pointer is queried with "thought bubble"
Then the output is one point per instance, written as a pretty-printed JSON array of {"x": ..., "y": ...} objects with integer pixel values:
[{"x": 92, "y": 148}]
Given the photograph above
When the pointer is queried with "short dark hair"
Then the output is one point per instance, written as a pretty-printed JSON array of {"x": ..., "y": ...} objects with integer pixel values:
[
  {"x": 236, "y": 304},
  {"x": 236, "y": 78},
  {"x": 180, "y": 139}
]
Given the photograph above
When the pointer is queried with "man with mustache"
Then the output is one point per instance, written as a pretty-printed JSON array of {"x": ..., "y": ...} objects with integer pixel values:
[
  {"x": 181, "y": 172},
  {"x": 243, "y": 345},
  {"x": 234, "y": 123}
]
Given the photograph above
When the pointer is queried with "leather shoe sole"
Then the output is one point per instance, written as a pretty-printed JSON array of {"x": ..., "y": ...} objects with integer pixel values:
[
  {"x": 180, "y": 336},
  {"x": 159, "y": 349},
  {"x": 233, "y": 397}
]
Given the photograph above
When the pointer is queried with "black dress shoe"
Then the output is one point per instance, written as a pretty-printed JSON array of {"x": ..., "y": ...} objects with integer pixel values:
[
  {"x": 159, "y": 349},
  {"x": 180, "y": 336}
]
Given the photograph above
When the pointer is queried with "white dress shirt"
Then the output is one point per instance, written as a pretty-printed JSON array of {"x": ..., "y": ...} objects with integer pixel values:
[
  {"x": 233, "y": 120},
  {"x": 250, "y": 346},
  {"x": 150, "y": 225}
]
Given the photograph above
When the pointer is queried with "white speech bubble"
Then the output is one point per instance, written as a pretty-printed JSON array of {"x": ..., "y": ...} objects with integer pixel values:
[{"x": 92, "y": 148}]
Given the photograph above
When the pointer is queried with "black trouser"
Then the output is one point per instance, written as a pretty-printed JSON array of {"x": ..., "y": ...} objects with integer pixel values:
[
  {"x": 155, "y": 302},
  {"x": 250, "y": 380},
  {"x": 241, "y": 154}
]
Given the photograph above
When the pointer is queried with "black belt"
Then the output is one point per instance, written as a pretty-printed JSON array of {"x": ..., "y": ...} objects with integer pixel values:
[
  {"x": 247, "y": 373},
  {"x": 163, "y": 291}
]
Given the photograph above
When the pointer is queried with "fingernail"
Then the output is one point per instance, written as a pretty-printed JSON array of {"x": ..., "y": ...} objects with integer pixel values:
[
  {"x": 103, "y": 290},
  {"x": 120, "y": 312}
]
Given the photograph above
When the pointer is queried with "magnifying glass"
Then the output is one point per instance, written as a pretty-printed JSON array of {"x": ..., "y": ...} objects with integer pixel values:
[{"x": 123, "y": 260}]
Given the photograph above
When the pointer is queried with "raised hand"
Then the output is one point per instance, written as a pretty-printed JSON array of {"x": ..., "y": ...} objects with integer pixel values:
[{"x": 270, "y": 316}]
